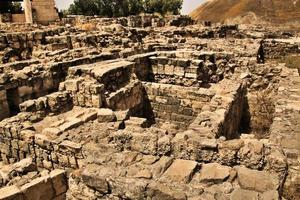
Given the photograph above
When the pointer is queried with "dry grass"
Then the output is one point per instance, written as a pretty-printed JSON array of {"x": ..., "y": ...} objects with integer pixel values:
[
  {"x": 262, "y": 113},
  {"x": 89, "y": 26},
  {"x": 291, "y": 61}
]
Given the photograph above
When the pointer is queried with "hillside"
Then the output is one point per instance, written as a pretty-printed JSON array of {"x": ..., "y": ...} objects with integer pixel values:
[{"x": 275, "y": 11}]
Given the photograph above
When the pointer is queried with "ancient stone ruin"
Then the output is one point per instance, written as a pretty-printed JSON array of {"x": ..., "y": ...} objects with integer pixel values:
[
  {"x": 148, "y": 108},
  {"x": 38, "y": 11}
]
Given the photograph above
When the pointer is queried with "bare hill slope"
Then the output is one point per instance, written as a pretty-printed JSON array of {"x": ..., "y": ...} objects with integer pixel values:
[{"x": 275, "y": 11}]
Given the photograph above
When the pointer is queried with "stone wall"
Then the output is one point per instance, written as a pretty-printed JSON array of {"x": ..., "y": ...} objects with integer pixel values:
[
  {"x": 44, "y": 11},
  {"x": 190, "y": 68},
  {"x": 175, "y": 103},
  {"x": 277, "y": 48},
  {"x": 285, "y": 128},
  {"x": 18, "y": 18},
  {"x": 48, "y": 187}
]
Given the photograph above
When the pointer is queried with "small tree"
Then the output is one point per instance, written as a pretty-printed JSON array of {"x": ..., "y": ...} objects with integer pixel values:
[{"x": 118, "y": 8}]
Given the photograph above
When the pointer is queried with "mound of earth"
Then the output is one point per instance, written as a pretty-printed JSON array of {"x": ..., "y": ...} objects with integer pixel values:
[{"x": 274, "y": 11}]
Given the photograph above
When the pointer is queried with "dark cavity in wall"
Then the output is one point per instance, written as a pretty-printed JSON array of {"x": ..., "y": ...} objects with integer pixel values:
[{"x": 13, "y": 100}]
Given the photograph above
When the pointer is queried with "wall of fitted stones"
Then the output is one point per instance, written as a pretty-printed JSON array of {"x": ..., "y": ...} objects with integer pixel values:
[
  {"x": 18, "y": 18},
  {"x": 56, "y": 102},
  {"x": 44, "y": 10},
  {"x": 180, "y": 69},
  {"x": 285, "y": 128},
  {"x": 25, "y": 90},
  {"x": 130, "y": 97},
  {"x": 48, "y": 187},
  {"x": 175, "y": 103},
  {"x": 278, "y": 48},
  {"x": 17, "y": 144},
  {"x": 84, "y": 93}
]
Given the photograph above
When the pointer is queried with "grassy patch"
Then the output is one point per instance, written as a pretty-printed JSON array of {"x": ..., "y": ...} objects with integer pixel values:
[{"x": 291, "y": 61}]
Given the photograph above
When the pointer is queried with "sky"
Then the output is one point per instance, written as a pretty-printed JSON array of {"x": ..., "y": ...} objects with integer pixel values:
[{"x": 188, "y": 5}]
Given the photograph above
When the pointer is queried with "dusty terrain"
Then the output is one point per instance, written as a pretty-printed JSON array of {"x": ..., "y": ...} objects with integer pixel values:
[
  {"x": 148, "y": 108},
  {"x": 249, "y": 11}
]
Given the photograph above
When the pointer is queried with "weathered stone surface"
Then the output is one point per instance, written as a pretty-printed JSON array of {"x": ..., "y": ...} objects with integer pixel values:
[
  {"x": 214, "y": 173},
  {"x": 131, "y": 108},
  {"x": 40, "y": 188},
  {"x": 256, "y": 180},
  {"x": 10, "y": 193},
  {"x": 106, "y": 115},
  {"x": 244, "y": 194},
  {"x": 161, "y": 191},
  {"x": 59, "y": 181},
  {"x": 161, "y": 166},
  {"x": 180, "y": 171}
]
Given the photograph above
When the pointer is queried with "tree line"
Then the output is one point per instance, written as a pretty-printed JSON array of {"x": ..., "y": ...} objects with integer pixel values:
[
  {"x": 10, "y": 7},
  {"x": 121, "y": 8}
]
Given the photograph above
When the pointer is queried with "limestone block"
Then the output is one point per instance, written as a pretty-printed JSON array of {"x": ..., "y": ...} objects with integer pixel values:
[
  {"x": 146, "y": 174},
  {"x": 270, "y": 195},
  {"x": 63, "y": 160},
  {"x": 70, "y": 146},
  {"x": 10, "y": 193},
  {"x": 239, "y": 194},
  {"x": 59, "y": 181},
  {"x": 136, "y": 122},
  {"x": 96, "y": 182},
  {"x": 164, "y": 145},
  {"x": 169, "y": 69},
  {"x": 72, "y": 123},
  {"x": 179, "y": 71},
  {"x": 72, "y": 85},
  {"x": 251, "y": 154},
  {"x": 260, "y": 181},
  {"x": 180, "y": 171},
  {"x": 160, "y": 69},
  {"x": 89, "y": 116},
  {"x": 43, "y": 141},
  {"x": 214, "y": 172},
  {"x": 144, "y": 143},
  {"x": 39, "y": 188},
  {"x": 52, "y": 131},
  {"x": 157, "y": 191},
  {"x": 106, "y": 115}
]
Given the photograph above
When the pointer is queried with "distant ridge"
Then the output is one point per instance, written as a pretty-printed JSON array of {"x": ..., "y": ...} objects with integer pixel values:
[{"x": 274, "y": 11}]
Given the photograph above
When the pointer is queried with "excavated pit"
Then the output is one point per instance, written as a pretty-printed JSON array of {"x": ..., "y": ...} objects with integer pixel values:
[{"x": 127, "y": 111}]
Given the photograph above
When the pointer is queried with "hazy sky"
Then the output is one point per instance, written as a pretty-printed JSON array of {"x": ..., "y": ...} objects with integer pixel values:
[{"x": 188, "y": 5}]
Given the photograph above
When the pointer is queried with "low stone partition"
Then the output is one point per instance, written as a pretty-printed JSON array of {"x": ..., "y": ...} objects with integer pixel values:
[
  {"x": 131, "y": 97},
  {"x": 48, "y": 187},
  {"x": 191, "y": 68},
  {"x": 85, "y": 93},
  {"x": 57, "y": 102},
  {"x": 176, "y": 104},
  {"x": 112, "y": 74},
  {"x": 276, "y": 48},
  {"x": 285, "y": 128},
  {"x": 224, "y": 113}
]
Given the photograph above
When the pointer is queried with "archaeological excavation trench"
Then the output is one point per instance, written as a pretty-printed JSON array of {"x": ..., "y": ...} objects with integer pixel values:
[{"x": 147, "y": 111}]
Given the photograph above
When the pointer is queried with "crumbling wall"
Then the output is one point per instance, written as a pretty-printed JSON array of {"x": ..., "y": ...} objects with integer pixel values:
[
  {"x": 276, "y": 48},
  {"x": 175, "y": 103},
  {"x": 47, "y": 187},
  {"x": 285, "y": 128}
]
